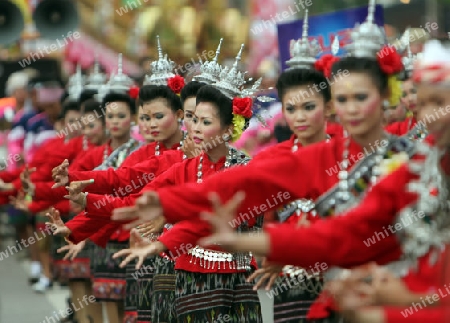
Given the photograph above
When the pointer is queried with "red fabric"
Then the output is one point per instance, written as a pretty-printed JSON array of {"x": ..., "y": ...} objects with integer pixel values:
[
  {"x": 316, "y": 168},
  {"x": 98, "y": 227},
  {"x": 139, "y": 168},
  {"x": 401, "y": 128},
  {"x": 410, "y": 315},
  {"x": 335, "y": 129}
]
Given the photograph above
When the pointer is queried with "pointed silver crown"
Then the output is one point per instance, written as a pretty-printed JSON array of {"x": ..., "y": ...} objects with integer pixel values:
[
  {"x": 210, "y": 70},
  {"x": 75, "y": 84},
  {"x": 118, "y": 82},
  {"x": 303, "y": 52},
  {"x": 162, "y": 69},
  {"x": 231, "y": 79},
  {"x": 96, "y": 79},
  {"x": 409, "y": 59},
  {"x": 367, "y": 38},
  {"x": 251, "y": 92}
]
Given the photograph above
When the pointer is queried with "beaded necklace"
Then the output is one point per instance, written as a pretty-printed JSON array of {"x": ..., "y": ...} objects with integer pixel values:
[{"x": 295, "y": 146}]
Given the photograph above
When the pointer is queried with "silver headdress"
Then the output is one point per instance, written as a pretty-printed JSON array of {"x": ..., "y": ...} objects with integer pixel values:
[
  {"x": 368, "y": 38},
  {"x": 408, "y": 61},
  {"x": 210, "y": 70},
  {"x": 96, "y": 79},
  {"x": 303, "y": 52},
  {"x": 75, "y": 85},
  {"x": 162, "y": 69},
  {"x": 118, "y": 83},
  {"x": 231, "y": 80}
]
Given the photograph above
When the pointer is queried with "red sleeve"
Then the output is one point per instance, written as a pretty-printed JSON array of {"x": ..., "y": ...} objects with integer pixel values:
[
  {"x": 63, "y": 207},
  {"x": 274, "y": 177},
  {"x": 103, "y": 205},
  {"x": 101, "y": 237},
  {"x": 411, "y": 315},
  {"x": 126, "y": 180},
  {"x": 185, "y": 232},
  {"x": 10, "y": 176},
  {"x": 83, "y": 226},
  {"x": 354, "y": 232}
]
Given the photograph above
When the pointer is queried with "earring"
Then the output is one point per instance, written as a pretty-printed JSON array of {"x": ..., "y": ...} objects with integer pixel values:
[
  {"x": 226, "y": 138},
  {"x": 386, "y": 104},
  {"x": 180, "y": 121},
  {"x": 133, "y": 123}
]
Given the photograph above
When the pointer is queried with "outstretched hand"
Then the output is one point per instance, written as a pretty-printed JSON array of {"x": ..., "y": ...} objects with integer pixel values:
[
  {"x": 139, "y": 248},
  {"x": 146, "y": 209},
  {"x": 19, "y": 202},
  {"x": 72, "y": 250},
  {"x": 221, "y": 220},
  {"x": 25, "y": 179},
  {"x": 60, "y": 174},
  {"x": 56, "y": 224},
  {"x": 76, "y": 194}
]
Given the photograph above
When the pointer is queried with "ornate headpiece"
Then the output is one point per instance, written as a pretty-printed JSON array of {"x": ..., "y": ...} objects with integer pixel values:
[
  {"x": 210, "y": 70},
  {"x": 408, "y": 61},
  {"x": 368, "y": 38},
  {"x": 433, "y": 66},
  {"x": 96, "y": 79},
  {"x": 231, "y": 80},
  {"x": 118, "y": 83},
  {"x": 303, "y": 52},
  {"x": 75, "y": 85},
  {"x": 161, "y": 70}
]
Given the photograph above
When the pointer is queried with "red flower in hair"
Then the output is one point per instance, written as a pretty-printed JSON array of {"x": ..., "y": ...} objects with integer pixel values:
[
  {"x": 133, "y": 92},
  {"x": 389, "y": 60},
  {"x": 176, "y": 84},
  {"x": 325, "y": 63},
  {"x": 243, "y": 107}
]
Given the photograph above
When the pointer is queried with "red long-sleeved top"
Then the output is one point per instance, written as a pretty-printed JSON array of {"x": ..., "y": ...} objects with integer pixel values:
[
  {"x": 45, "y": 196},
  {"x": 98, "y": 227},
  {"x": 140, "y": 167}
]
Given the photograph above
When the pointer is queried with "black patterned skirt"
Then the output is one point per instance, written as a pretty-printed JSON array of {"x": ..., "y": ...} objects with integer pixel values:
[
  {"x": 204, "y": 298},
  {"x": 293, "y": 297},
  {"x": 109, "y": 282},
  {"x": 163, "y": 298},
  {"x": 131, "y": 293},
  {"x": 75, "y": 270},
  {"x": 144, "y": 278}
]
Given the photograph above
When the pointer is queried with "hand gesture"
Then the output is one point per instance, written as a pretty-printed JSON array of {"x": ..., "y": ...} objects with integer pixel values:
[
  {"x": 6, "y": 186},
  {"x": 268, "y": 273},
  {"x": 139, "y": 248},
  {"x": 60, "y": 174},
  {"x": 146, "y": 209},
  {"x": 76, "y": 194},
  {"x": 189, "y": 148},
  {"x": 25, "y": 179},
  {"x": 154, "y": 226},
  {"x": 220, "y": 220},
  {"x": 56, "y": 224},
  {"x": 19, "y": 202},
  {"x": 72, "y": 250}
]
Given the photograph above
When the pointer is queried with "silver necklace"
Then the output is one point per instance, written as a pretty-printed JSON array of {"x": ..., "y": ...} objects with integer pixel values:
[
  {"x": 85, "y": 143},
  {"x": 157, "y": 148},
  {"x": 231, "y": 159},
  {"x": 295, "y": 146},
  {"x": 344, "y": 193}
]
